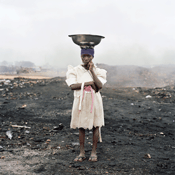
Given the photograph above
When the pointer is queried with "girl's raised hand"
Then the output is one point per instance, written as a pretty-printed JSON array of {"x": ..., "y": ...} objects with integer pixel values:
[{"x": 91, "y": 65}]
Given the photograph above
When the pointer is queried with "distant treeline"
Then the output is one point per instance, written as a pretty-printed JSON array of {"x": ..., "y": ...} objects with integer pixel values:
[
  {"x": 17, "y": 64},
  {"x": 9, "y": 69}
]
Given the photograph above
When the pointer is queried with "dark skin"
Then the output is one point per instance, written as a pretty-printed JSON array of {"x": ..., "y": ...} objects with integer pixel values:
[{"x": 96, "y": 85}]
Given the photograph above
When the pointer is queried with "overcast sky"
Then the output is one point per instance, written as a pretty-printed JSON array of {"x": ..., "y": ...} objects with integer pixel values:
[{"x": 137, "y": 32}]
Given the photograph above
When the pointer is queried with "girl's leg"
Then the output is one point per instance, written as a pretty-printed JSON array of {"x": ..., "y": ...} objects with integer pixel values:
[
  {"x": 81, "y": 140},
  {"x": 93, "y": 156}
]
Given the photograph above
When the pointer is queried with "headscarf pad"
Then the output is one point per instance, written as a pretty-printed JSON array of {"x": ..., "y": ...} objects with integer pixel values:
[{"x": 87, "y": 51}]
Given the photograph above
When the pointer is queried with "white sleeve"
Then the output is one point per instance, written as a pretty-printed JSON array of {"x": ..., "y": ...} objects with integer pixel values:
[
  {"x": 71, "y": 77},
  {"x": 101, "y": 74}
]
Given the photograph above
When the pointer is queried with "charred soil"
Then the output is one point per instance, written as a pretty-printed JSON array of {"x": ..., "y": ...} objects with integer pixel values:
[{"x": 138, "y": 137}]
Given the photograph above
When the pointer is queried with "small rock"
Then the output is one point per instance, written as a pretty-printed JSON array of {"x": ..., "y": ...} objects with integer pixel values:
[
  {"x": 75, "y": 143},
  {"x": 38, "y": 139},
  {"x": 148, "y": 96},
  {"x": 113, "y": 141},
  {"x": 23, "y": 106},
  {"x": 148, "y": 156},
  {"x": 81, "y": 168},
  {"x": 60, "y": 127},
  {"x": 9, "y": 134},
  {"x": 46, "y": 128},
  {"x": 112, "y": 164},
  {"x": 76, "y": 165}
]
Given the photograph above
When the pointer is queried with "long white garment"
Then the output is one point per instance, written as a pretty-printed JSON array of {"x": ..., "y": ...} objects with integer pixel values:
[{"x": 84, "y": 118}]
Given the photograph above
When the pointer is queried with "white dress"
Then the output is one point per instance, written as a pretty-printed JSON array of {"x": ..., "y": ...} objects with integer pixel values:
[{"x": 86, "y": 118}]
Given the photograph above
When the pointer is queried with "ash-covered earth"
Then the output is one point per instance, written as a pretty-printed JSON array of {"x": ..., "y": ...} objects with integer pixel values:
[{"x": 35, "y": 137}]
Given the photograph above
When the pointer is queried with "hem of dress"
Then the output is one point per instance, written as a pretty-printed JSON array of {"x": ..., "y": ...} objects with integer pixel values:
[{"x": 86, "y": 128}]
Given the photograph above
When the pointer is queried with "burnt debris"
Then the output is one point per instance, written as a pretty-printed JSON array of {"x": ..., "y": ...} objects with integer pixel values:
[{"x": 138, "y": 137}]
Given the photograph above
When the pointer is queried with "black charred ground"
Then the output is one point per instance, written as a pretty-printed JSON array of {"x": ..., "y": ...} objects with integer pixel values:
[{"x": 138, "y": 137}]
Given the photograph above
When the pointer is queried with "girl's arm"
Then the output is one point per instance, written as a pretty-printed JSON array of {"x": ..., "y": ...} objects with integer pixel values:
[
  {"x": 97, "y": 82},
  {"x": 78, "y": 85}
]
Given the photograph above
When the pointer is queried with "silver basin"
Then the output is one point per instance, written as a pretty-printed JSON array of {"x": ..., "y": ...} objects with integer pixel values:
[{"x": 86, "y": 39}]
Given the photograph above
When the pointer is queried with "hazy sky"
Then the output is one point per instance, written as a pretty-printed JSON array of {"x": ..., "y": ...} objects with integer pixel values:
[{"x": 137, "y": 32}]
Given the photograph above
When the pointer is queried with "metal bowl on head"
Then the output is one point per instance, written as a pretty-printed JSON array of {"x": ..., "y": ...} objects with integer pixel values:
[{"x": 86, "y": 40}]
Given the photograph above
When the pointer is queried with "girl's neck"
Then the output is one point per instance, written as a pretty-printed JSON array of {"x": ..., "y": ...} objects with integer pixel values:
[{"x": 85, "y": 66}]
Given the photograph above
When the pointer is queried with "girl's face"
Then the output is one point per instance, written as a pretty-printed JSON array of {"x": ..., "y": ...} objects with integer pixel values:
[{"x": 86, "y": 58}]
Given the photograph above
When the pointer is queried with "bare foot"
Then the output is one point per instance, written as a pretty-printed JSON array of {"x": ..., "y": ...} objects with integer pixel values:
[
  {"x": 80, "y": 158},
  {"x": 93, "y": 157}
]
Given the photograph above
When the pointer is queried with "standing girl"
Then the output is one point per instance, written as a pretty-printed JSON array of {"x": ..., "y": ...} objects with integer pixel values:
[{"x": 87, "y": 112}]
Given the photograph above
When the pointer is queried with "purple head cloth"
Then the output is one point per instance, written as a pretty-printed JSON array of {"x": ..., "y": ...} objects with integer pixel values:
[{"x": 87, "y": 51}]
